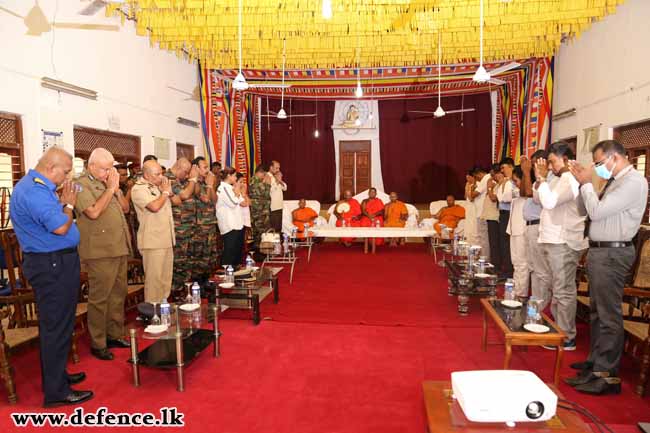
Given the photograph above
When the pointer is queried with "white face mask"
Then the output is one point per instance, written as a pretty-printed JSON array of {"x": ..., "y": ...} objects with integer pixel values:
[{"x": 515, "y": 190}]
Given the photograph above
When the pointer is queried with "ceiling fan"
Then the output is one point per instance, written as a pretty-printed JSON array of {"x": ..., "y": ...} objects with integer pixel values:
[
  {"x": 439, "y": 111},
  {"x": 240, "y": 83},
  {"x": 483, "y": 76},
  {"x": 96, "y": 5},
  {"x": 37, "y": 23}
]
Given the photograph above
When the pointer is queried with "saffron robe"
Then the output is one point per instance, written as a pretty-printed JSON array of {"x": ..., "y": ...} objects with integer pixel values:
[
  {"x": 302, "y": 216},
  {"x": 374, "y": 206},
  {"x": 350, "y": 217},
  {"x": 394, "y": 212},
  {"x": 450, "y": 216}
]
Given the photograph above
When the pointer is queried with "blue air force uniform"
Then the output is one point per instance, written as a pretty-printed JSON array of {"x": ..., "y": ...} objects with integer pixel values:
[{"x": 51, "y": 265}]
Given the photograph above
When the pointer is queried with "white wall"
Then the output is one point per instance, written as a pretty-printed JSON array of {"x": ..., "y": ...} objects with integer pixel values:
[
  {"x": 130, "y": 77},
  {"x": 604, "y": 74}
]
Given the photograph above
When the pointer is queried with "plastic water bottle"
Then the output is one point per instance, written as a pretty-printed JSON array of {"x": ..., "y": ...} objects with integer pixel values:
[
  {"x": 196, "y": 293},
  {"x": 165, "y": 313},
  {"x": 250, "y": 263},
  {"x": 285, "y": 242},
  {"x": 508, "y": 293},
  {"x": 306, "y": 231},
  {"x": 294, "y": 232},
  {"x": 230, "y": 274},
  {"x": 455, "y": 245},
  {"x": 377, "y": 223},
  {"x": 343, "y": 223},
  {"x": 531, "y": 311}
]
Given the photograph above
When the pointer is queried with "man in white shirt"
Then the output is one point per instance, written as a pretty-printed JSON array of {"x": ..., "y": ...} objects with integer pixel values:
[
  {"x": 517, "y": 231},
  {"x": 561, "y": 234},
  {"x": 503, "y": 191},
  {"x": 476, "y": 191},
  {"x": 278, "y": 186}
]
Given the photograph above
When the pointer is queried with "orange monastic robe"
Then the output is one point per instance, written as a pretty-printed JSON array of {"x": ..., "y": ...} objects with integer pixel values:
[
  {"x": 450, "y": 216},
  {"x": 350, "y": 217},
  {"x": 373, "y": 206},
  {"x": 300, "y": 217},
  {"x": 394, "y": 212}
]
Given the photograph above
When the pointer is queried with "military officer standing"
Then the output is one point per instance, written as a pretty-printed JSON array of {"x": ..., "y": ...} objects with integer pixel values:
[
  {"x": 205, "y": 235},
  {"x": 104, "y": 250},
  {"x": 48, "y": 236},
  {"x": 183, "y": 178},
  {"x": 259, "y": 192},
  {"x": 151, "y": 197}
]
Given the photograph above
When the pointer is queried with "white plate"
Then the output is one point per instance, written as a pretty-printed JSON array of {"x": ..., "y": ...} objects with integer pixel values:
[
  {"x": 226, "y": 285},
  {"x": 189, "y": 307},
  {"x": 155, "y": 329},
  {"x": 510, "y": 303},
  {"x": 241, "y": 272},
  {"x": 479, "y": 275},
  {"x": 536, "y": 328}
]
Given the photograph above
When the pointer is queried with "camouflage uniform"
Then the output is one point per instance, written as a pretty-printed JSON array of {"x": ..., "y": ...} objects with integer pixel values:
[
  {"x": 184, "y": 227},
  {"x": 204, "y": 243},
  {"x": 260, "y": 195}
]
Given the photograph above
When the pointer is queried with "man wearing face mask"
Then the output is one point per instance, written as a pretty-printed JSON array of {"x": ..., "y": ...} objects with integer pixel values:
[
  {"x": 561, "y": 235},
  {"x": 614, "y": 218}
]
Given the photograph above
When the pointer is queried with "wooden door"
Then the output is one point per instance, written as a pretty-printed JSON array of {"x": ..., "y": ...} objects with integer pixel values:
[{"x": 354, "y": 166}]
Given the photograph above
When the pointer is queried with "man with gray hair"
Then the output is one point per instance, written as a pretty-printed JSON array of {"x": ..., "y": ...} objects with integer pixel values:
[
  {"x": 44, "y": 225},
  {"x": 104, "y": 250}
]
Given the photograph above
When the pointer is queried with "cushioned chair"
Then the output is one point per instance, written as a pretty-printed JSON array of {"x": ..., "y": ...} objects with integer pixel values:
[
  {"x": 288, "y": 206},
  {"x": 466, "y": 227}
]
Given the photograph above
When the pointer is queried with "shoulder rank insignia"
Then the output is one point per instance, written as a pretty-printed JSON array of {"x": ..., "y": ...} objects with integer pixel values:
[{"x": 39, "y": 180}]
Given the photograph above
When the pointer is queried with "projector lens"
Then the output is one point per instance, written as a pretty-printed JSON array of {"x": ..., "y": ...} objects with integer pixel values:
[{"x": 534, "y": 409}]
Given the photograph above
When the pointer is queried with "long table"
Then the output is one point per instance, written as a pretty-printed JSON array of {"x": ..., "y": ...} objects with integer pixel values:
[{"x": 371, "y": 233}]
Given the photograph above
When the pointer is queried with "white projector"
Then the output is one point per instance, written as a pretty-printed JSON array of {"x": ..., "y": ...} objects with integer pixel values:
[{"x": 503, "y": 396}]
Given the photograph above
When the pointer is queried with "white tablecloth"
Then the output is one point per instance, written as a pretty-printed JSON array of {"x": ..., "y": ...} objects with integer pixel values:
[{"x": 371, "y": 232}]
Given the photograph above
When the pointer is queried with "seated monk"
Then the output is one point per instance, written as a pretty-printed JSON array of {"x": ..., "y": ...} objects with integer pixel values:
[
  {"x": 395, "y": 215},
  {"x": 450, "y": 215},
  {"x": 301, "y": 216},
  {"x": 372, "y": 210},
  {"x": 351, "y": 217}
]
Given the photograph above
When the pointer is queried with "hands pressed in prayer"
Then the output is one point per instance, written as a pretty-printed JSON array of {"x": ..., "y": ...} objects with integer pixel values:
[
  {"x": 541, "y": 169},
  {"x": 526, "y": 164},
  {"x": 165, "y": 185},
  {"x": 582, "y": 174},
  {"x": 278, "y": 176},
  {"x": 113, "y": 181},
  {"x": 210, "y": 179},
  {"x": 470, "y": 179},
  {"x": 68, "y": 193}
]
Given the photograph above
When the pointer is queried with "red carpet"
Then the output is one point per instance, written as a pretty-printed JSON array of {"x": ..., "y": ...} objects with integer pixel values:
[{"x": 313, "y": 368}]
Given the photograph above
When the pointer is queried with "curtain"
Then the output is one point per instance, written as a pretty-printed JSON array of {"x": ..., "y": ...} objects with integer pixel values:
[
  {"x": 424, "y": 159},
  {"x": 307, "y": 163}
]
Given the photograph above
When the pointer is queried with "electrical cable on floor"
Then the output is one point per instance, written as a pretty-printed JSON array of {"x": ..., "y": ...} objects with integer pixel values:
[{"x": 581, "y": 409}]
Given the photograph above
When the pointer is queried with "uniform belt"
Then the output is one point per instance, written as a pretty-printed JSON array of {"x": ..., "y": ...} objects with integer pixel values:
[
  {"x": 532, "y": 223},
  {"x": 63, "y": 251},
  {"x": 596, "y": 244}
]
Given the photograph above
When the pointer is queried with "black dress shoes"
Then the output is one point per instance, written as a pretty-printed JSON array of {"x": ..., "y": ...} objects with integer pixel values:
[
  {"x": 76, "y": 378},
  {"x": 119, "y": 343},
  {"x": 581, "y": 378},
  {"x": 601, "y": 386},
  {"x": 584, "y": 365},
  {"x": 75, "y": 397},
  {"x": 103, "y": 354}
]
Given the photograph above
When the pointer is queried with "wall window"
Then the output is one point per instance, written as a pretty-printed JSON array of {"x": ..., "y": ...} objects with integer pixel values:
[
  {"x": 636, "y": 139},
  {"x": 11, "y": 161},
  {"x": 125, "y": 148}
]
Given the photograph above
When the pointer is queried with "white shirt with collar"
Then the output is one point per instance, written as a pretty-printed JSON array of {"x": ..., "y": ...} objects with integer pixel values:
[
  {"x": 229, "y": 213},
  {"x": 481, "y": 188},
  {"x": 561, "y": 222},
  {"x": 277, "y": 196}
]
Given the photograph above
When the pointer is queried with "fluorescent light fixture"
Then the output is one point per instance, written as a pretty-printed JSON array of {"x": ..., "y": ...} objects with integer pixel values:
[
  {"x": 239, "y": 83},
  {"x": 327, "y": 9},
  {"x": 439, "y": 112},
  {"x": 281, "y": 114},
  {"x": 565, "y": 113},
  {"x": 481, "y": 75},
  {"x": 61, "y": 86},
  {"x": 359, "y": 91},
  {"x": 187, "y": 122}
]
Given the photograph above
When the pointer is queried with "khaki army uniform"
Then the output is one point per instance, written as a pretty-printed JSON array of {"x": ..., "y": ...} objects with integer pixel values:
[
  {"x": 104, "y": 247},
  {"x": 155, "y": 241},
  {"x": 184, "y": 228},
  {"x": 260, "y": 195},
  {"x": 206, "y": 255}
]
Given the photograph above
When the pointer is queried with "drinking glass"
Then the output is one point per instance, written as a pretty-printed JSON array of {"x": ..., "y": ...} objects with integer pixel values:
[
  {"x": 155, "y": 320},
  {"x": 188, "y": 298}
]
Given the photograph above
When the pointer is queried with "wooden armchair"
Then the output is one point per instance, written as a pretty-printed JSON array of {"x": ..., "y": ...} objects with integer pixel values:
[
  {"x": 636, "y": 322},
  {"x": 18, "y": 328}
]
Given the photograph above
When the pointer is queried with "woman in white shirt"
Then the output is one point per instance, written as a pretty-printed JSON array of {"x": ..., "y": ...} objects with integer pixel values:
[{"x": 229, "y": 217}]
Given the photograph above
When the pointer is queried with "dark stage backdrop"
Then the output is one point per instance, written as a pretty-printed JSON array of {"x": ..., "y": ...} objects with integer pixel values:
[
  {"x": 426, "y": 159},
  {"x": 307, "y": 163},
  {"x": 423, "y": 160}
]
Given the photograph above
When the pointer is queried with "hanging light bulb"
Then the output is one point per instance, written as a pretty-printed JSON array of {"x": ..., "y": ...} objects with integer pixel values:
[
  {"x": 316, "y": 133},
  {"x": 357, "y": 122},
  {"x": 327, "y": 9},
  {"x": 281, "y": 114},
  {"x": 359, "y": 91}
]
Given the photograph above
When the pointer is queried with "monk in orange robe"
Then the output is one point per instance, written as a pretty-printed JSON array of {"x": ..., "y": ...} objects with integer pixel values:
[
  {"x": 450, "y": 215},
  {"x": 301, "y": 216},
  {"x": 350, "y": 217},
  {"x": 395, "y": 215},
  {"x": 372, "y": 209}
]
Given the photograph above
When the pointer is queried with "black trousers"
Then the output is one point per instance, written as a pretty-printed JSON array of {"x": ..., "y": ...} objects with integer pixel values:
[
  {"x": 276, "y": 220},
  {"x": 493, "y": 239},
  {"x": 233, "y": 242},
  {"x": 504, "y": 244},
  {"x": 607, "y": 269},
  {"x": 55, "y": 280}
]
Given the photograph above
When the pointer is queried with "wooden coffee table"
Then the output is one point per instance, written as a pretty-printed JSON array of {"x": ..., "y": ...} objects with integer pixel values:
[
  {"x": 510, "y": 322},
  {"x": 444, "y": 415}
]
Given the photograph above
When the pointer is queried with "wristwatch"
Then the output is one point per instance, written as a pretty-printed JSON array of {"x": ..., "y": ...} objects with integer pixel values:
[{"x": 69, "y": 206}]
